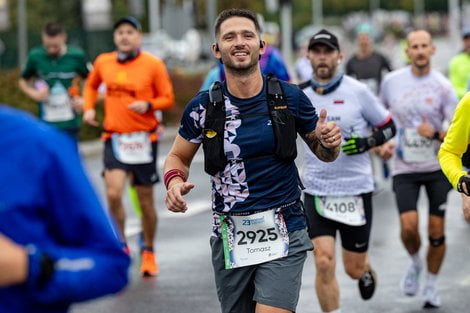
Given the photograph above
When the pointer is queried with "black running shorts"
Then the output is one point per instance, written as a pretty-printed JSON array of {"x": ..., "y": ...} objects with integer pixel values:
[
  {"x": 143, "y": 174},
  {"x": 407, "y": 186},
  {"x": 353, "y": 238}
]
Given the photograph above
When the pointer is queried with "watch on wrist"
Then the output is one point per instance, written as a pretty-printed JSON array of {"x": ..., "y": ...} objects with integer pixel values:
[{"x": 435, "y": 135}]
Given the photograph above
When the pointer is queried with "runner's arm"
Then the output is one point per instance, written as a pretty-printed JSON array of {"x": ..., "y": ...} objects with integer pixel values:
[
  {"x": 178, "y": 161},
  {"x": 325, "y": 140},
  {"x": 165, "y": 97},
  {"x": 382, "y": 133},
  {"x": 322, "y": 152},
  {"x": 456, "y": 142},
  {"x": 31, "y": 92},
  {"x": 76, "y": 265}
]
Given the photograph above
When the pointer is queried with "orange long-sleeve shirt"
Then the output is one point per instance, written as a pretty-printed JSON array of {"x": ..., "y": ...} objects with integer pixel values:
[{"x": 143, "y": 78}]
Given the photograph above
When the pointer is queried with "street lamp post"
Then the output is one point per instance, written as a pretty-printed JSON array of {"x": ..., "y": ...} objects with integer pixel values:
[
  {"x": 454, "y": 21},
  {"x": 317, "y": 12},
  {"x": 419, "y": 12},
  {"x": 22, "y": 33},
  {"x": 286, "y": 31},
  {"x": 154, "y": 15}
]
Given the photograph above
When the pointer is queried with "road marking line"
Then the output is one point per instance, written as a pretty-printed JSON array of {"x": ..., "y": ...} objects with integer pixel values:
[{"x": 194, "y": 207}]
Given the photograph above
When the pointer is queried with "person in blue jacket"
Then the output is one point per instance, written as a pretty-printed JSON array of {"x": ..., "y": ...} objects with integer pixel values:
[{"x": 57, "y": 245}]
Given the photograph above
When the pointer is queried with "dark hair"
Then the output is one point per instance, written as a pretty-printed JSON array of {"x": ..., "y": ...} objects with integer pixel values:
[
  {"x": 53, "y": 29},
  {"x": 226, "y": 14}
]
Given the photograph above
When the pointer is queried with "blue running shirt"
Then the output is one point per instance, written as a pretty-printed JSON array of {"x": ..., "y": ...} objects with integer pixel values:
[{"x": 254, "y": 179}]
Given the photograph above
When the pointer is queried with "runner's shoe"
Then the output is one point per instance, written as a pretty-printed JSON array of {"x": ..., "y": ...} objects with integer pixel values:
[
  {"x": 431, "y": 298},
  {"x": 367, "y": 284},
  {"x": 410, "y": 283},
  {"x": 149, "y": 267}
]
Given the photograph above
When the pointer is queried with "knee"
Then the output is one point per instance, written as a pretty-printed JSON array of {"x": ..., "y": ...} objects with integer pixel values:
[
  {"x": 325, "y": 265},
  {"x": 114, "y": 198},
  {"x": 409, "y": 231},
  {"x": 355, "y": 271}
]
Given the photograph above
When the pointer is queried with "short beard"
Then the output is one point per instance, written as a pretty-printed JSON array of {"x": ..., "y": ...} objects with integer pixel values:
[
  {"x": 328, "y": 75},
  {"x": 237, "y": 71},
  {"x": 422, "y": 66}
]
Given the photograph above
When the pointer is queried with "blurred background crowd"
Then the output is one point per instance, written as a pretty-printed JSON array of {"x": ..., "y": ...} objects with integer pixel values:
[{"x": 179, "y": 32}]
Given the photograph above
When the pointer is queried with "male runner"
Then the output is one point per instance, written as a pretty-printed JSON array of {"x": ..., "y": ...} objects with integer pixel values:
[
  {"x": 338, "y": 195},
  {"x": 137, "y": 84},
  {"x": 247, "y": 126},
  {"x": 420, "y": 100},
  {"x": 51, "y": 77}
]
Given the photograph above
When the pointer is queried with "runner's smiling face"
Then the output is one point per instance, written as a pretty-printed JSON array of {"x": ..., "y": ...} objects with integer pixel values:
[
  {"x": 324, "y": 60},
  {"x": 127, "y": 39},
  {"x": 239, "y": 45}
]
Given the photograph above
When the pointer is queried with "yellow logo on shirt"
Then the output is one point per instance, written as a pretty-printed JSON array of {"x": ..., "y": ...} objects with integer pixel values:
[{"x": 121, "y": 76}]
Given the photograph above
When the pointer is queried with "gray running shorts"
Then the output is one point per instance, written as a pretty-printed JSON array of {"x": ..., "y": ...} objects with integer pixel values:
[{"x": 274, "y": 283}]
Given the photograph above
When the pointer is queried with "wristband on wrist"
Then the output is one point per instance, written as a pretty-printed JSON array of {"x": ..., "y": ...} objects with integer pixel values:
[
  {"x": 172, "y": 174},
  {"x": 435, "y": 135},
  {"x": 149, "y": 106}
]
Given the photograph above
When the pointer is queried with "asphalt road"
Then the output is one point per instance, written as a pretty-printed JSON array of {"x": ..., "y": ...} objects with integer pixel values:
[{"x": 185, "y": 283}]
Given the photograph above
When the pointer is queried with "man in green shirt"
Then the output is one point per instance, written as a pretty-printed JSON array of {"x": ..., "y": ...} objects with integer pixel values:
[
  {"x": 51, "y": 77},
  {"x": 459, "y": 67}
]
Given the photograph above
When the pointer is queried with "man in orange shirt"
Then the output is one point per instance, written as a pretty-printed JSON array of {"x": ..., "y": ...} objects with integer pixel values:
[{"x": 137, "y": 84}]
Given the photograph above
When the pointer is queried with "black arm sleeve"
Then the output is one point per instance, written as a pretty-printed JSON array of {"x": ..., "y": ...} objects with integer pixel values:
[{"x": 382, "y": 134}]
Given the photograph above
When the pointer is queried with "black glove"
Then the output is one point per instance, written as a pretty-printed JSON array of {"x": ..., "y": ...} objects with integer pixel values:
[
  {"x": 357, "y": 145},
  {"x": 464, "y": 180}
]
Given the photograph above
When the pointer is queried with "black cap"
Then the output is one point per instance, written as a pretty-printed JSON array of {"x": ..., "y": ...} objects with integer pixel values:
[
  {"x": 324, "y": 37},
  {"x": 128, "y": 20}
]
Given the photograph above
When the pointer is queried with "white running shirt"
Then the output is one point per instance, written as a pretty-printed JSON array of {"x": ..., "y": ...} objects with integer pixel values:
[
  {"x": 410, "y": 99},
  {"x": 354, "y": 109}
]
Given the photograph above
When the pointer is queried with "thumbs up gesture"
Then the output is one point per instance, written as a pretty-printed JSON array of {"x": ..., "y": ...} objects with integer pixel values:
[
  {"x": 425, "y": 129},
  {"x": 327, "y": 132}
]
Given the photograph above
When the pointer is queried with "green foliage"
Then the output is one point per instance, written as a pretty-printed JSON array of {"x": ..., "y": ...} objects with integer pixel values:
[
  {"x": 11, "y": 94},
  {"x": 69, "y": 12}
]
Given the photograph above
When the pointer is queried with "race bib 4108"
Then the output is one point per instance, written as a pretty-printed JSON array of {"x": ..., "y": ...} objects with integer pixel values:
[{"x": 347, "y": 210}]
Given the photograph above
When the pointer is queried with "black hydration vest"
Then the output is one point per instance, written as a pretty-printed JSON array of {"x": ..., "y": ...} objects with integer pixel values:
[{"x": 283, "y": 122}]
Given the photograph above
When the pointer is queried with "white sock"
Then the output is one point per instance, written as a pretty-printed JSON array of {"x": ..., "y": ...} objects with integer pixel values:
[
  {"x": 335, "y": 311},
  {"x": 416, "y": 259},
  {"x": 431, "y": 279}
]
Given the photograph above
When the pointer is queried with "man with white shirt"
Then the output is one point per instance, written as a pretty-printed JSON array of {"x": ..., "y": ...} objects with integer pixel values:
[
  {"x": 420, "y": 100},
  {"x": 338, "y": 195}
]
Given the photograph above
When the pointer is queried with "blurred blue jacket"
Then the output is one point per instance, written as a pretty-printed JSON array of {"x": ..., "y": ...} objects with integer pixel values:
[{"x": 48, "y": 205}]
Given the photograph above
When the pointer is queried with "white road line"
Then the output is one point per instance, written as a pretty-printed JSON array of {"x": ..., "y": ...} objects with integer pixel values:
[
  {"x": 194, "y": 207},
  {"x": 133, "y": 226}
]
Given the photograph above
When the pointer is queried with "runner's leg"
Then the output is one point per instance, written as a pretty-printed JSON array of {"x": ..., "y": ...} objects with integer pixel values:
[
  {"x": 261, "y": 308},
  {"x": 409, "y": 231},
  {"x": 355, "y": 264},
  {"x": 149, "y": 214},
  {"x": 436, "y": 254},
  {"x": 115, "y": 180},
  {"x": 326, "y": 283}
]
